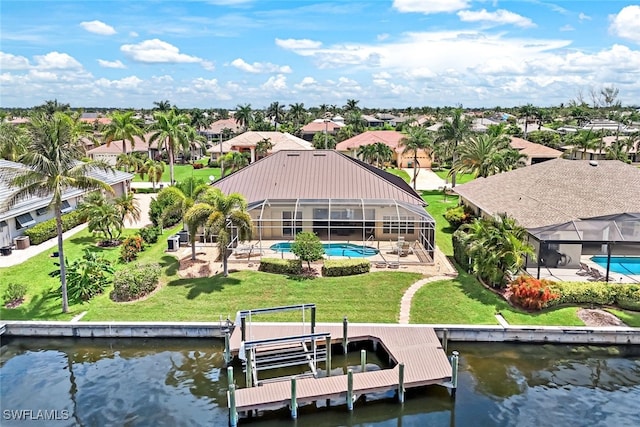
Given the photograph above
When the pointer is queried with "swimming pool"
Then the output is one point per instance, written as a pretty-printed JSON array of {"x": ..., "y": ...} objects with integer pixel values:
[
  {"x": 335, "y": 249},
  {"x": 620, "y": 264}
]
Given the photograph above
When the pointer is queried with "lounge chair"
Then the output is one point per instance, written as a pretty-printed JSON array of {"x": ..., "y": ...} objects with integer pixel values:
[
  {"x": 584, "y": 270},
  {"x": 597, "y": 276}
]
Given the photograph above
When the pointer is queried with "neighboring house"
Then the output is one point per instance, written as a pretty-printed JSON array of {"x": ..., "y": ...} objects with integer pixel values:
[
  {"x": 535, "y": 153},
  {"x": 110, "y": 153},
  {"x": 392, "y": 139},
  {"x": 28, "y": 212},
  {"x": 600, "y": 152},
  {"x": 569, "y": 207},
  {"x": 320, "y": 126},
  {"x": 217, "y": 129},
  {"x": 330, "y": 194},
  {"x": 372, "y": 121},
  {"x": 247, "y": 142}
]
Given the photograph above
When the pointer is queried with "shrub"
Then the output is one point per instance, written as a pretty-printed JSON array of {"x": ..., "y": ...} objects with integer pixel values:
[
  {"x": 88, "y": 276},
  {"x": 531, "y": 293},
  {"x": 458, "y": 215},
  {"x": 460, "y": 253},
  {"x": 130, "y": 248},
  {"x": 213, "y": 163},
  {"x": 47, "y": 229},
  {"x": 170, "y": 196},
  {"x": 135, "y": 282},
  {"x": 150, "y": 234},
  {"x": 198, "y": 166},
  {"x": 345, "y": 267},
  {"x": 435, "y": 166},
  {"x": 15, "y": 292},
  {"x": 628, "y": 296},
  {"x": 585, "y": 293},
  {"x": 308, "y": 247},
  {"x": 281, "y": 266}
]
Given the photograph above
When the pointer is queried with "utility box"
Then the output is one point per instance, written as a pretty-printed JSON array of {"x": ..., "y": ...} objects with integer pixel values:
[
  {"x": 173, "y": 243},
  {"x": 22, "y": 242},
  {"x": 184, "y": 237}
]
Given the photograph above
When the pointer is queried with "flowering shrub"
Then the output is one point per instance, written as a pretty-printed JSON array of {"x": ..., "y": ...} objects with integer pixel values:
[
  {"x": 130, "y": 248},
  {"x": 531, "y": 293}
]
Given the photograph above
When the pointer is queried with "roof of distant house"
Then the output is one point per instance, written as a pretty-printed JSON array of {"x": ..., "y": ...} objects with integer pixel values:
[
  {"x": 316, "y": 174},
  {"x": 532, "y": 149},
  {"x": 391, "y": 138},
  {"x": 219, "y": 125},
  {"x": 115, "y": 147},
  {"x": 557, "y": 191},
  {"x": 320, "y": 125},
  {"x": 279, "y": 140}
]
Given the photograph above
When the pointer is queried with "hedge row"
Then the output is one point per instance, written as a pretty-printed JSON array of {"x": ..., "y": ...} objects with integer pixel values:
[
  {"x": 624, "y": 296},
  {"x": 345, "y": 267},
  {"x": 135, "y": 282},
  {"x": 281, "y": 266},
  {"x": 47, "y": 229}
]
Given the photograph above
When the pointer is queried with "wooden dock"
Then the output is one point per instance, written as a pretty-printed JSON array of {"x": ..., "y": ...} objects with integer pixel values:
[{"x": 416, "y": 347}]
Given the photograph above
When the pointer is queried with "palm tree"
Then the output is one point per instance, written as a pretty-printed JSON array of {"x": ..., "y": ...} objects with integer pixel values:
[
  {"x": 584, "y": 140},
  {"x": 199, "y": 119},
  {"x": 129, "y": 161},
  {"x": 297, "y": 114},
  {"x": 244, "y": 116},
  {"x": 50, "y": 107},
  {"x": 128, "y": 207},
  {"x": 416, "y": 139},
  {"x": 486, "y": 155},
  {"x": 383, "y": 153},
  {"x": 526, "y": 111},
  {"x": 356, "y": 121},
  {"x": 366, "y": 153},
  {"x": 351, "y": 105},
  {"x": 170, "y": 130},
  {"x": 452, "y": 133},
  {"x": 52, "y": 159},
  {"x": 13, "y": 141},
  {"x": 263, "y": 146},
  {"x": 103, "y": 216},
  {"x": 154, "y": 169},
  {"x": 162, "y": 105},
  {"x": 235, "y": 161},
  {"x": 345, "y": 132},
  {"x": 276, "y": 111},
  {"x": 223, "y": 216},
  {"x": 125, "y": 127}
]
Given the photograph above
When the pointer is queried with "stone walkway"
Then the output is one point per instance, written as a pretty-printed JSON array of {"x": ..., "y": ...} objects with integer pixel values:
[{"x": 405, "y": 302}]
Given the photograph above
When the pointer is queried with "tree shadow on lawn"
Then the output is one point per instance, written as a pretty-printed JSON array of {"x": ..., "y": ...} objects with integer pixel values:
[
  {"x": 205, "y": 285},
  {"x": 473, "y": 289},
  {"x": 41, "y": 306},
  {"x": 170, "y": 264},
  {"x": 84, "y": 241}
]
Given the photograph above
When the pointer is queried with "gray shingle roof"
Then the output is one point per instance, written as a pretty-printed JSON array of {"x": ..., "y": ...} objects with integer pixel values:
[
  {"x": 557, "y": 191},
  {"x": 315, "y": 174}
]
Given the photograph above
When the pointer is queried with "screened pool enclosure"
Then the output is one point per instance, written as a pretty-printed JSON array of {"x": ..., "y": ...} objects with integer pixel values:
[{"x": 385, "y": 224}]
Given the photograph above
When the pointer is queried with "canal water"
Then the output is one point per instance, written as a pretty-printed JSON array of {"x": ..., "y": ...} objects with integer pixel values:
[{"x": 136, "y": 382}]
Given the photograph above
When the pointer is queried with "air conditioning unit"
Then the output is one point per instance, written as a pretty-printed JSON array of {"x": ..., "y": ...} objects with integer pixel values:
[{"x": 173, "y": 243}]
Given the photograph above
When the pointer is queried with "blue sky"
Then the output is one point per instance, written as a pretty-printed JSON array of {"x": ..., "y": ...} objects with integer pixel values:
[{"x": 385, "y": 53}]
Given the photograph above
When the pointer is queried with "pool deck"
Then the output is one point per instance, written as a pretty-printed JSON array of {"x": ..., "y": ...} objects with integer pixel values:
[{"x": 571, "y": 274}]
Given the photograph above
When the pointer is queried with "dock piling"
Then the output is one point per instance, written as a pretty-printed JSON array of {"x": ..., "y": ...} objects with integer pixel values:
[
  {"x": 345, "y": 334},
  {"x": 227, "y": 348},
  {"x": 401, "y": 383},
  {"x": 294, "y": 400},
  {"x": 445, "y": 340},
  {"x": 363, "y": 360},
  {"x": 350, "y": 390},
  {"x": 249, "y": 369},
  {"x": 230, "y": 380},
  {"x": 454, "y": 373},
  {"x": 233, "y": 414},
  {"x": 328, "y": 362}
]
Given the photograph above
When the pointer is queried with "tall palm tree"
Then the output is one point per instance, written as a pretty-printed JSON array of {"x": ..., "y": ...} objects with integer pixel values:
[
  {"x": 154, "y": 170},
  {"x": 366, "y": 153},
  {"x": 222, "y": 215},
  {"x": 123, "y": 127},
  {"x": 356, "y": 121},
  {"x": 244, "y": 116},
  {"x": 276, "y": 111},
  {"x": 383, "y": 153},
  {"x": 235, "y": 161},
  {"x": 263, "y": 146},
  {"x": 486, "y": 155},
  {"x": 417, "y": 138},
  {"x": 452, "y": 133},
  {"x": 297, "y": 114},
  {"x": 52, "y": 159},
  {"x": 351, "y": 105},
  {"x": 526, "y": 111},
  {"x": 170, "y": 131},
  {"x": 345, "y": 132},
  {"x": 164, "y": 105},
  {"x": 200, "y": 120},
  {"x": 584, "y": 140},
  {"x": 128, "y": 207}
]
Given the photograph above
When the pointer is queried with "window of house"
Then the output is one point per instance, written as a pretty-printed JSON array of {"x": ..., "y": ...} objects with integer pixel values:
[
  {"x": 24, "y": 220},
  {"x": 65, "y": 207},
  {"x": 288, "y": 224},
  {"x": 42, "y": 211}
]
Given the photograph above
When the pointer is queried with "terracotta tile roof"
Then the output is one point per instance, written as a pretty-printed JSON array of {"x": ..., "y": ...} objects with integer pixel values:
[
  {"x": 92, "y": 120},
  {"x": 280, "y": 141},
  {"x": 217, "y": 126},
  {"x": 115, "y": 147},
  {"x": 312, "y": 174},
  {"x": 319, "y": 126},
  {"x": 391, "y": 138},
  {"x": 557, "y": 191},
  {"x": 533, "y": 150}
]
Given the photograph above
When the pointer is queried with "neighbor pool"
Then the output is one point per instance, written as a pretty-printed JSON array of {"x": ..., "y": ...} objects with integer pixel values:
[
  {"x": 335, "y": 249},
  {"x": 620, "y": 264}
]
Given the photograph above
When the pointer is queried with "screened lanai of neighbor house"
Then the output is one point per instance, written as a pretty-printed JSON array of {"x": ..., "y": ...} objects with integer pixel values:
[{"x": 338, "y": 198}]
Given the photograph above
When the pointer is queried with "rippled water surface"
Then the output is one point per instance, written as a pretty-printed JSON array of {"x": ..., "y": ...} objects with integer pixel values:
[{"x": 182, "y": 383}]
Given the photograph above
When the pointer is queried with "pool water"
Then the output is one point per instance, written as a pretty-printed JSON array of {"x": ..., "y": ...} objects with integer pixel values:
[
  {"x": 335, "y": 249},
  {"x": 620, "y": 264}
]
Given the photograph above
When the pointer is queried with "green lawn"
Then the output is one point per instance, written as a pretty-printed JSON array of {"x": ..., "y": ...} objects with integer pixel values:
[
  {"x": 438, "y": 204},
  {"x": 182, "y": 172},
  {"x": 631, "y": 318},
  {"x": 460, "y": 178},
  {"x": 464, "y": 301}
]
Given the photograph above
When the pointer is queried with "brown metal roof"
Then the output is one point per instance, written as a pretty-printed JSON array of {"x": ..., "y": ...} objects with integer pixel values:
[
  {"x": 312, "y": 174},
  {"x": 557, "y": 191}
]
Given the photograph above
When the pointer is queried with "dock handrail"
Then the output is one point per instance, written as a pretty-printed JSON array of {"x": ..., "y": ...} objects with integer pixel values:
[{"x": 282, "y": 340}]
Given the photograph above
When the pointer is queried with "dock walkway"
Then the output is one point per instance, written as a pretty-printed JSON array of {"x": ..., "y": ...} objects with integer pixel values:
[{"x": 417, "y": 347}]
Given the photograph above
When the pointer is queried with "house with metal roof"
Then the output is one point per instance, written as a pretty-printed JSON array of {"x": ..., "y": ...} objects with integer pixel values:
[
  {"x": 392, "y": 139},
  {"x": 16, "y": 219},
  {"x": 570, "y": 208},
  {"x": 337, "y": 197}
]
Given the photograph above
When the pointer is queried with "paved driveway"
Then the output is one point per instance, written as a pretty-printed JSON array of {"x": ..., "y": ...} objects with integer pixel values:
[{"x": 426, "y": 179}]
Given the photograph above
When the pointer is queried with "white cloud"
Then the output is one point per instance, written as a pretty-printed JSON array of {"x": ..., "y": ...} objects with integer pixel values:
[
  {"x": 133, "y": 34},
  {"x": 259, "y": 67},
  {"x": 567, "y": 27},
  {"x": 275, "y": 83},
  {"x": 208, "y": 65},
  {"x": 382, "y": 37},
  {"x": 111, "y": 64},
  {"x": 626, "y": 24},
  {"x": 56, "y": 61},
  {"x": 126, "y": 83},
  {"x": 430, "y": 6},
  {"x": 156, "y": 51},
  {"x": 584, "y": 17},
  {"x": 13, "y": 62},
  {"x": 98, "y": 27},
  {"x": 295, "y": 44},
  {"x": 499, "y": 17}
]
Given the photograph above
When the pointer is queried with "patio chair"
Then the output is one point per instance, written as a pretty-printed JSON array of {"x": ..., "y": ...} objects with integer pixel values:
[
  {"x": 584, "y": 270},
  {"x": 597, "y": 276}
]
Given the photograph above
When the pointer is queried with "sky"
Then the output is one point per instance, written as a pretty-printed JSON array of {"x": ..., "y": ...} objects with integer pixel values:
[{"x": 383, "y": 53}]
